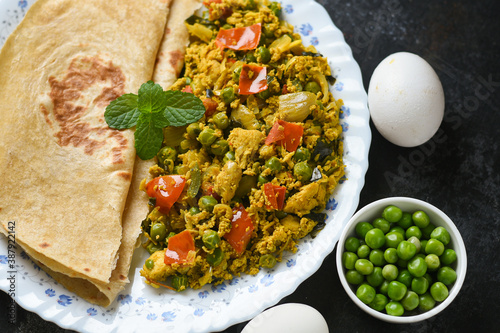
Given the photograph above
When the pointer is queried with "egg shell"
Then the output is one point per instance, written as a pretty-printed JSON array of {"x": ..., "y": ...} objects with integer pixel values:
[
  {"x": 290, "y": 318},
  {"x": 406, "y": 99}
]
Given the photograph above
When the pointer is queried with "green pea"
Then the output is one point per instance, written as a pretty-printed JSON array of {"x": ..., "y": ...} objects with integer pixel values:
[
  {"x": 181, "y": 169},
  {"x": 352, "y": 244},
  {"x": 303, "y": 171},
  {"x": 439, "y": 291},
  {"x": 158, "y": 232},
  {"x": 432, "y": 261},
  {"x": 207, "y": 136},
  {"x": 382, "y": 224},
  {"x": 391, "y": 255},
  {"x": 193, "y": 130},
  {"x": 267, "y": 261},
  {"x": 262, "y": 180},
  {"x": 362, "y": 228},
  {"x": 415, "y": 241},
  {"x": 374, "y": 238},
  {"x": 410, "y": 301},
  {"x": 313, "y": 86},
  {"x": 237, "y": 73},
  {"x": 229, "y": 156},
  {"x": 406, "y": 250},
  {"x": 228, "y": 95},
  {"x": 434, "y": 246},
  {"x": 392, "y": 213},
  {"x": 354, "y": 277},
  {"x": 396, "y": 290},
  {"x": 426, "y": 302},
  {"x": 152, "y": 248},
  {"x": 363, "y": 266},
  {"x": 383, "y": 287},
  {"x": 417, "y": 266},
  {"x": 420, "y": 219},
  {"x": 150, "y": 264},
  {"x": 427, "y": 231},
  {"x": 194, "y": 210},
  {"x": 375, "y": 278},
  {"x": 166, "y": 153},
  {"x": 393, "y": 238},
  {"x": 441, "y": 234},
  {"x": 446, "y": 275},
  {"x": 366, "y": 293},
  {"x": 379, "y": 302},
  {"x": 394, "y": 308},
  {"x": 216, "y": 257},
  {"x": 280, "y": 214},
  {"x": 220, "y": 147},
  {"x": 349, "y": 259},
  {"x": 413, "y": 231},
  {"x": 298, "y": 85},
  {"x": 399, "y": 230},
  {"x": 419, "y": 285},
  {"x": 423, "y": 243},
  {"x": 273, "y": 163},
  {"x": 264, "y": 54},
  {"x": 207, "y": 202},
  {"x": 406, "y": 221},
  {"x": 250, "y": 58},
  {"x": 405, "y": 277},
  {"x": 188, "y": 144},
  {"x": 211, "y": 239},
  {"x": 221, "y": 120},
  {"x": 179, "y": 282},
  {"x": 448, "y": 257},
  {"x": 363, "y": 251},
  {"x": 302, "y": 154},
  {"x": 390, "y": 272},
  {"x": 377, "y": 257}
]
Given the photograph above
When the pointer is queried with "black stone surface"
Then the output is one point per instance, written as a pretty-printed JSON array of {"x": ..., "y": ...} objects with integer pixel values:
[{"x": 457, "y": 170}]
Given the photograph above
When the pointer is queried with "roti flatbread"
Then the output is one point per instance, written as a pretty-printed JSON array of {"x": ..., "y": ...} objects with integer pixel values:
[{"x": 64, "y": 174}]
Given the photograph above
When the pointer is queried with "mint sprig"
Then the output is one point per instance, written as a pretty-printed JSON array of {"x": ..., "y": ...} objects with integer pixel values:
[{"x": 151, "y": 110}]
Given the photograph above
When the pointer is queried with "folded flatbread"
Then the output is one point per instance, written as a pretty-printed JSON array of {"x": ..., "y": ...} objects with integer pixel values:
[{"x": 64, "y": 174}]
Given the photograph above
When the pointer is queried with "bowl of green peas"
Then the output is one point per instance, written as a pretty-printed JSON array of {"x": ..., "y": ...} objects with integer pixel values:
[{"x": 401, "y": 260}]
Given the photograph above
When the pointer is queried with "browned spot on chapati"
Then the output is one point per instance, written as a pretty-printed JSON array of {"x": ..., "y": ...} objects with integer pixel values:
[
  {"x": 44, "y": 245},
  {"x": 70, "y": 105},
  {"x": 86, "y": 269},
  {"x": 122, "y": 277},
  {"x": 125, "y": 175},
  {"x": 176, "y": 60}
]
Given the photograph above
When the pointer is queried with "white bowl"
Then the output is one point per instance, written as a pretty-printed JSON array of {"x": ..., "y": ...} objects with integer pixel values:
[{"x": 438, "y": 218}]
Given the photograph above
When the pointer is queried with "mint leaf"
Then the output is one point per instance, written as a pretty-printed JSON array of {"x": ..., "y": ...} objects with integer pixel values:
[
  {"x": 152, "y": 98},
  {"x": 123, "y": 112},
  {"x": 148, "y": 137},
  {"x": 182, "y": 108}
]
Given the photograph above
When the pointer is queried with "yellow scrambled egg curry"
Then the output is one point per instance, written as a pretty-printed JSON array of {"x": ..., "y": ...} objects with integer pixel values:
[{"x": 246, "y": 182}]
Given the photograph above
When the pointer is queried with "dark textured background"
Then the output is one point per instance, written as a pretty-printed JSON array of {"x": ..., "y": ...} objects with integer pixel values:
[{"x": 459, "y": 173}]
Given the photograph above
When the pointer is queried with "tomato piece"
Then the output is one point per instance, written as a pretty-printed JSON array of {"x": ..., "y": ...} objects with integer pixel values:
[
  {"x": 243, "y": 38},
  {"x": 285, "y": 134},
  {"x": 187, "y": 89},
  {"x": 275, "y": 195},
  {"x": 180, "y": 249},
  {"x": 253, "y": 79},
  {"x": 241, "y": 230},
  {"x": 166, "y": 190},
  {"x": 210, "y": 106}
]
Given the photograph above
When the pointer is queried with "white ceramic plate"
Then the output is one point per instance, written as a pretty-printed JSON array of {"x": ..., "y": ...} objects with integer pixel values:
[{"x": 212, "y": 308}]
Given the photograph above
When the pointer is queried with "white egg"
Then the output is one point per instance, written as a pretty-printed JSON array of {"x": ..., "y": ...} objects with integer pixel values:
[
  {"x": 290, "y": 318},
  {"x": 406, "y": 99}
]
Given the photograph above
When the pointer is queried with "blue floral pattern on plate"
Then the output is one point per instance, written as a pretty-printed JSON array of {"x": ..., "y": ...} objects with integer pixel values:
[{"x": 139, "y": 305}]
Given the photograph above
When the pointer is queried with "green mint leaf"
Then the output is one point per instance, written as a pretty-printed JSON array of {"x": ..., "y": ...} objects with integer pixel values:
[
  {"x": 148, "y": 137},
  {"x": 152, "y": 98},
  {"x": 123, "y": 112},
  {"x": 182, "y": 108},
  {"x": 160, "y": 120}
]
